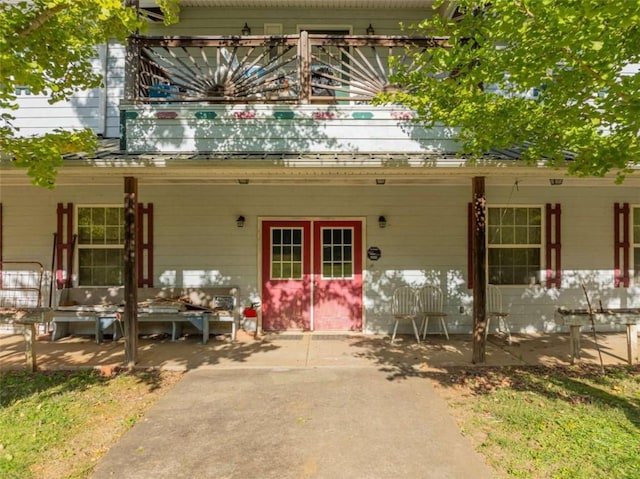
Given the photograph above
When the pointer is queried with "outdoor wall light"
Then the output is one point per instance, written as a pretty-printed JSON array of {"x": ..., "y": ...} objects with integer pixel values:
[
  {"x": 380, "y": 181},
  {"x": 555, "y": 181},
  {"x": 243, "y": 181},
  {"x": 246, "y": 30},
  {"x": 382, "y": 222},
  {"x": 370, "y": 30},
  {"x": 240, "y": 221}
]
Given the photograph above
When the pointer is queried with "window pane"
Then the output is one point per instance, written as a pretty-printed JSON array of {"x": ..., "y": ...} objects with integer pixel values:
[
  {"x": 112, "y": 235},
  {"x": 521, "y": 235},
  {"x": 276, "y": 271},
  {"x": 84, "y": 234},
  {"x": 326, "y": 270},
  {"x": 494, "y": 216},
  {"x": 535, "y": 235},
  {"x": 507, "y": 216},
  {"x": 535, "y": 216},
  {"x": 98, "y": 216},
  {"x": 508, "y": 235},
  {"x": 286, "y": 270},
  {"x": 515, "y": 228},
  {"x": 521, "y": 216},
  {"x": 494, "y": 234},
  {"x": 348, "y": 270},
  {"x": 296, "y": 271}
]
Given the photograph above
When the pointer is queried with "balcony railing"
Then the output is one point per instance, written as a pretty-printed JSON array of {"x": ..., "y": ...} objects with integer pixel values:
[{"x": 297, "y": 69}]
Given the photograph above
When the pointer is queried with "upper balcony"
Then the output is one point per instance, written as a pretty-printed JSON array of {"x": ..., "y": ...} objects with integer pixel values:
[
  {"x": 291, "y": 69},
  {"x": 230, "y": 94}
]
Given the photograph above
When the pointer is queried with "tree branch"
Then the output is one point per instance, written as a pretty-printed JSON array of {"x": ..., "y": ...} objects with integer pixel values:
[{"x": 40, "y": 20}]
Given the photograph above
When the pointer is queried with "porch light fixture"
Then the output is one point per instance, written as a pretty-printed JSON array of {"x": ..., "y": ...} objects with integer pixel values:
[
  {"x": 555, "y": 181},
  {"x": 382, "y": 222},
  {"x": 240, "y": 221},
  {"x": 243, "y": 181},
  {"x": 370, "y": 30},
  {"x": 246, "y": 30},
  {"x": 380, "y": 181}
]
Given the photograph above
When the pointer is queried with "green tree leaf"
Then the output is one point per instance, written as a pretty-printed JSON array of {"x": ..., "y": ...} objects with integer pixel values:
[{"x": 48, "y": 46}]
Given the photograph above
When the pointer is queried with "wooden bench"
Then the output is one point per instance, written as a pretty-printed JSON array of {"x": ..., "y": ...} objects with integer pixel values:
[{"x": 101, "y": 309}]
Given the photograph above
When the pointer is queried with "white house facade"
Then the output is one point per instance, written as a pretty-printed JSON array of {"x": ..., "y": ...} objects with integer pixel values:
[{"x": 261, "y": 163}]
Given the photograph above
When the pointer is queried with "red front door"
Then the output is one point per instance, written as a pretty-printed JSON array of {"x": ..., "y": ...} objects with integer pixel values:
[{"x": 312, "y": 282}]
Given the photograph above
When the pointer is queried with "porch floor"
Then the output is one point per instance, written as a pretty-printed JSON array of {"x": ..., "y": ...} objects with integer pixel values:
[{"x": 311, "y": 351}]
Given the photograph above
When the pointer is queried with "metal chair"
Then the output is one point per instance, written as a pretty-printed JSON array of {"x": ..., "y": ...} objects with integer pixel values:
[
  {"x": 404, "y": 306},
  {"x": 495, "y": 310},
  {"x": 430, "y": 306}
]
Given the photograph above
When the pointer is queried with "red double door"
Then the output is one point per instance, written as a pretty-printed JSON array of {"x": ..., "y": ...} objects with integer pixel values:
[{"x": 312, "y": 275}]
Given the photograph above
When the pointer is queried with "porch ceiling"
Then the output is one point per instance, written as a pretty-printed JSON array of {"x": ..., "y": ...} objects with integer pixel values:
[
  {"x": 335, "y": 4},
  {"x": 109, "y": 165}
]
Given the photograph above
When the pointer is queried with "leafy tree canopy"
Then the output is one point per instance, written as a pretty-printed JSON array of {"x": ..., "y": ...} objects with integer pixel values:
[
  {"x": 48, "y": 46},
  {"x": 548, "y": 74}
]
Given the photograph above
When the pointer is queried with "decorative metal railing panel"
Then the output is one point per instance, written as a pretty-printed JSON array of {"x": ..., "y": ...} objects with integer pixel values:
[{"x": 266, "y": 69}]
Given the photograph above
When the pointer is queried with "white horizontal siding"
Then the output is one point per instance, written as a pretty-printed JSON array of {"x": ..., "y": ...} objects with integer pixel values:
[
  {"x": 84, "y": 109},
  {"x": 229, "y": 21}
]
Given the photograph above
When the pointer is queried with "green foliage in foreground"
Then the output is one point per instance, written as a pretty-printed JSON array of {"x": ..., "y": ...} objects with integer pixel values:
[
  {"x": 572, "y": 52},
  {"x": 554, "y": 423},
  {"x": 44, "y": 412},
  {"x": 48, "y": 46}
]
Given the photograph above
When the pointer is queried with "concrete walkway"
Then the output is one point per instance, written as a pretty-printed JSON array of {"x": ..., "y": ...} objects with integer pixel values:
[
  {"x": 281, "y": 423},
  {"x": 301, "y": 405},
  {"x": 402, "y": 357}
]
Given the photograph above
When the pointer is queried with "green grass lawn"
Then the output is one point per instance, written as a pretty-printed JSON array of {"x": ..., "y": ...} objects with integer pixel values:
[
  {"x": 58, "y": 424},
  {"x": 552, "y": 422},
  {"x": 528, "y": 422}
]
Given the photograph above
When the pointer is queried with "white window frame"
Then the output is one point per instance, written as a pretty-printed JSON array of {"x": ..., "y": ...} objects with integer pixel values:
[
  {"x": 537, "y": 279},
  {"x": 80, "y": 246}
]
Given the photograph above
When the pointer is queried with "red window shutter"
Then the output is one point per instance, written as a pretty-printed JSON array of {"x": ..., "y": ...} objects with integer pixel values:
[
  {"x": 1, "y": 235},
  {"x": 469, "y": 246},
  {"x": 621, "y": 244},
  {"x": 553, "y": 245},
  {"x": 144, "y": 247},
  {"x": 65, "y": 244}
]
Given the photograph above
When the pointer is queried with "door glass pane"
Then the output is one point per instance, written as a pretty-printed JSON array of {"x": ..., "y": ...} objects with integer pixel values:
[
  {"x": 286, "y": 253},
  {"x": 337, "y": 248}
]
